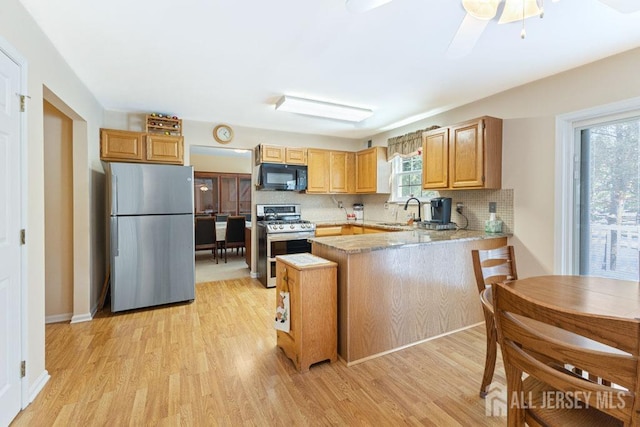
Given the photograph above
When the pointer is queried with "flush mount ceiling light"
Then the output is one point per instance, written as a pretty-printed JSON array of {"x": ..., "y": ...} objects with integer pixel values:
[
  {"x": 357, "y": 6},
  {"x": 322, "y": 109}
]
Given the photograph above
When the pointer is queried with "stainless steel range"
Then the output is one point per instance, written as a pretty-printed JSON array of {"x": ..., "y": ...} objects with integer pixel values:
[{"x": 281, "y": 231}]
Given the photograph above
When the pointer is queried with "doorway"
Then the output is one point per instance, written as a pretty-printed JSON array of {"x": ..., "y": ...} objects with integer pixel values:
[
  {"x": 609, "y": 199},
  {"x": 229, "y": 171},
  {"x": 58, "y": 205}
]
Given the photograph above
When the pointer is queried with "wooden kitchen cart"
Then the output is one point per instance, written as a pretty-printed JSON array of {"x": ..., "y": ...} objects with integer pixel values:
[{"x": 311, "y": 283}]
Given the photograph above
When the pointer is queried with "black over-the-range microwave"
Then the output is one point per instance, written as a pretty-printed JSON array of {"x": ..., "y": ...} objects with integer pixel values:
[{"x": 277, "y": 176}]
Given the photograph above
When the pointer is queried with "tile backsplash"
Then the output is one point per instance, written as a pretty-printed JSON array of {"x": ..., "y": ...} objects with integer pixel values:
[
  {"x": 476, "y": 207},
  {"x": 324, "y": 207}
]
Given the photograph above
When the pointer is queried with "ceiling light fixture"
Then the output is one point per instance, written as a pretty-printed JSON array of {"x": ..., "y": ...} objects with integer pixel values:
[
  {"x": 481, "y": 9},
  {"x": 322, "y": 109},
  {"x": 516, "y": 10},
  {"x": 358, "y": 6}
]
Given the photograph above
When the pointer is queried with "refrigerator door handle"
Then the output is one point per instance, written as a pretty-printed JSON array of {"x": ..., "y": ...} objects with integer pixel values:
[
  {"x": 114, "y": 237},
  {"x": 114, "y": 195}
]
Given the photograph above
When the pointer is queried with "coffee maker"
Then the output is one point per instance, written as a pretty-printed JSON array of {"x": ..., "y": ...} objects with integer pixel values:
[{"x": 441, "y": 210}]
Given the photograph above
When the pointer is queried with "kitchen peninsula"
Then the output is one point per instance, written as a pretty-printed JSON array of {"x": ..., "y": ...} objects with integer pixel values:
[{"x": 400, "y": 288}]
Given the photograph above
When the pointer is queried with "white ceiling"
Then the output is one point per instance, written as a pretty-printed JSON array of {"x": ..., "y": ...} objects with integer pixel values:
[{"x": 229, "y": 61}]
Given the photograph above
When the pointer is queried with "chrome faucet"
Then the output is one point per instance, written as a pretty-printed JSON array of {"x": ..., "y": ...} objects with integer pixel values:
[{"x": 419, "y": 210}]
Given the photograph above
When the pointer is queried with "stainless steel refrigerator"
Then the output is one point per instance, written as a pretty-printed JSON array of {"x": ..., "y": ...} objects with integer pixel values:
[{"x": 151, "y": 234}]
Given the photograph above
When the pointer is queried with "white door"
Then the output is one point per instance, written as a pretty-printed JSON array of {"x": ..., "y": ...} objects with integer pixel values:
[{"x": 10, "y": 304}]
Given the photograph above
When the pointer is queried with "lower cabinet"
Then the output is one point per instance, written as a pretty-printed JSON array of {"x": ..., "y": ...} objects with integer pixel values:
[{"x": 311, "y": 283}]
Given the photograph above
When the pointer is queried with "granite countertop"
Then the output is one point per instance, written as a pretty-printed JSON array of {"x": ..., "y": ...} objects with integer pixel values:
[{"x": 378, "y": 241}]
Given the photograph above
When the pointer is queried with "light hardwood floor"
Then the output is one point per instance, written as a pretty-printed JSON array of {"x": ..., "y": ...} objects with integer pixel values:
[{"x": 215, "y": 362}]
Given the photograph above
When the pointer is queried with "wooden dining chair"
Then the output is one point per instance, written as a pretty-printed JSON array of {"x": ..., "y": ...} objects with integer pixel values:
[
  {"x": 531, "y": 333},
  {"x": 205, "y": 235},
  {"x": 234, "y": 236},
  {"x": 492, "y": 266}
]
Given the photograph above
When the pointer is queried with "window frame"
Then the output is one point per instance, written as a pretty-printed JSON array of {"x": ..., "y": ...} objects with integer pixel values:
[
  {"x": 397, "y": 173},
  {"x": 567, "y": 168}
]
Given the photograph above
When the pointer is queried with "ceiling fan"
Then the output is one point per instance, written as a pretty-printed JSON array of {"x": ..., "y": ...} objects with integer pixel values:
[{"x": 481, "y": 12}]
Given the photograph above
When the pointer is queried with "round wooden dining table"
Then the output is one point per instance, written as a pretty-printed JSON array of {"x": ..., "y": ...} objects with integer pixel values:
[{"x": 587, "y": 294}]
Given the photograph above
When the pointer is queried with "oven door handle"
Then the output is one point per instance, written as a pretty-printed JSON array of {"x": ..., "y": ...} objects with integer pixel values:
[{"x": 280, "y": 237}]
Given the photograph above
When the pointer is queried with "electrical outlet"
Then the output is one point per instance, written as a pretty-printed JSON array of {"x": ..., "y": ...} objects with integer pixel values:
[
  {"x": 492, "y": 207},
  {"x": 340, "y": 205},
  {"x": 386, "y": 205},
  {"x": 459, "y": 207}
]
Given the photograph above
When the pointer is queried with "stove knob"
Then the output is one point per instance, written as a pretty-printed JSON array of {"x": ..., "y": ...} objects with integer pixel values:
[
  {"x": 281, "y": 226},
  {"x": 292, "y": 226}
]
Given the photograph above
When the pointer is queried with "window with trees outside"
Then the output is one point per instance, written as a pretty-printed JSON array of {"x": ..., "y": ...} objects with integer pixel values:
[
  {"x": 407, "y": 179},
  {"x": 609, "y": 191}
]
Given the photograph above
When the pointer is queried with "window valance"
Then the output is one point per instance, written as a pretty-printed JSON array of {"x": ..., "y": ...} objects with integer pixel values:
[{"x": 406, "y": 145}]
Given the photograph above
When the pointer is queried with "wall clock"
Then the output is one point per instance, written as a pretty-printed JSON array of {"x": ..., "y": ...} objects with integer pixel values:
[{"x": 223, "y": 134}]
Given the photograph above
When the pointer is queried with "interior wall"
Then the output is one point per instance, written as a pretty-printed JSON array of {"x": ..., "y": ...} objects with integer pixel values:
[
  {"x": 212, "y": 163},
  {"x": 47, "y": 71},
  {"x": 529, "y": 139},
  {"x": 58, "y": 202}
]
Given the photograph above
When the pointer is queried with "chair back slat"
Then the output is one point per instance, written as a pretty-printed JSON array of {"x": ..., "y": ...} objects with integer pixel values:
[
  {"x": 494, "y": 265},
  {"x": 532, "y": 333}
]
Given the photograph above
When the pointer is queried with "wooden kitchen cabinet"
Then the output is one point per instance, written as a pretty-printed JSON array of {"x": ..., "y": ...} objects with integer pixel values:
[
  {"x": 465, "y": 155},
  {"x": 330, "y": 171},
  {"x": 318, "y": 170},
  {"x": 122, "y": 145},
  {"x": 278, "y": 154},
  {"x": 475, "y": 154},
  {"x": 295, "y": 156},
  {"x": 435, "y": 155},
  {"x": 330, "y": 230},
  {"x": 341, "y": 172},
  {"x": 312, "y": 285},
  {"x": 372, "y": 171},
  {"x": 129, "y": 146},
  {"x": 269, "y": 154},
  {"x": 165, "y": 149}
]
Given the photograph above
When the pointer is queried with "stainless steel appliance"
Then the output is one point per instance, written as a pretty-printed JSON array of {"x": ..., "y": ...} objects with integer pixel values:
[
  {"x": 151, "y": 234},
  {"x": 281, "y": 231},
  {"x": 275, "y": 176}
]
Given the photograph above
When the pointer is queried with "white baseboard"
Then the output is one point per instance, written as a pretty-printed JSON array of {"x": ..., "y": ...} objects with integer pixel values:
[
  {"x": 77, "y": 318},
  {"x": 254, "y": 275},
  {"x": 58, "y": 318},
  {"x": 37, "y": 387}
]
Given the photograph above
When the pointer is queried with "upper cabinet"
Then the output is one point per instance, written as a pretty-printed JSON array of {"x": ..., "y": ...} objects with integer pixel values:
[
  {"x": 330, "y": 171},
  {"x": 295, "y": 156},
  {"x": 165, "y": 149},
  {"x": 342, "y": 172},
  {"x": 372, "y": 171},
  {"x": 122, "y": 145},
  {"x": 139, "y": 147},
  {"x": 317, "y": 168},
  {"x": 435, "y": 154},
  {"x": 463, "y": 156},
  {"x": 277, "y": 154}
]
